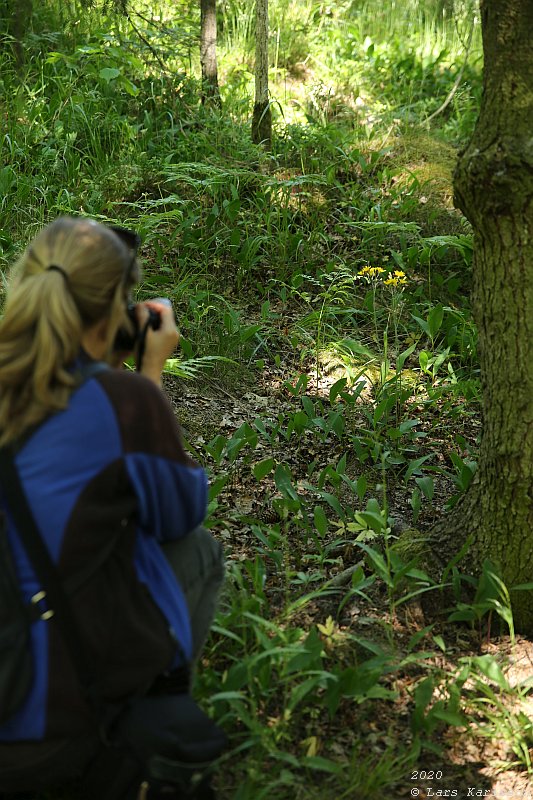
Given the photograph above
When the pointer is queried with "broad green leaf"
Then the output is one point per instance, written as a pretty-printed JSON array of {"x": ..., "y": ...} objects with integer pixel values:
[
  {"x": 435, "y": 317},
  {"x": 465, "y": 614},
  {"x": 130, "y": 87},
  {"x": 340, "y": 469},
  {"x": 414, "y": 466},
  {"x": 407, "y": 424},
  {"x": 489, "y": 667},
  {"x": 322, "y": 764},
  {"x": 426, "y": 486},
  {"x": 109, "y": 73},
  {"x": 228, "y": 696},
  {"x": 451, "y": 718},
  {"x": 282, "y": 479},
  {"x": 378, "y": 563},
  {"x": 423, "y": 359},
  {"x": 402, "y": 358},
  {"x": 302, "y": 690},
  {"x": 216, "y": 486},
  {"x": 369, "y": 519},
  {"x": 423, "y": 696},
  {"x": 320, "y": 520},
  {"x": 423, "y": 324},
  {"x": 309, "y": 406},
  {"x": 361, "y": 486},
  {"x": 263, "y": 468},
  {"x": 232, "y": 209},
  {"x": 337, "y": 388}
]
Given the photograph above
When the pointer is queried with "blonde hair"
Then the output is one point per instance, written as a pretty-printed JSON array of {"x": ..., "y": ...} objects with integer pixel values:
[{"x": 48, "y": 310}]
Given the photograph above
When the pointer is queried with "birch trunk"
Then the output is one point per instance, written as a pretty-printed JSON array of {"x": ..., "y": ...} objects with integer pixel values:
[
  {"x": 262, "y": 116},
  {"x": 208, "y": 53}
]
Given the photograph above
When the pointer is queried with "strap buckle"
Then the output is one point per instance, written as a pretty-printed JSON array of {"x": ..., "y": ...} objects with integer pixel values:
[{"x": 36, "y": 600}]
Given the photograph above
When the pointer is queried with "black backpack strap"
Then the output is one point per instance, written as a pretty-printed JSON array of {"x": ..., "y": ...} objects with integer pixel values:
[{"x": 52, "y": 598}]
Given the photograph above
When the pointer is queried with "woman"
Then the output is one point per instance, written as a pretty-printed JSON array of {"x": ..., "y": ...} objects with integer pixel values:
[{"x": 115, "y": 497}]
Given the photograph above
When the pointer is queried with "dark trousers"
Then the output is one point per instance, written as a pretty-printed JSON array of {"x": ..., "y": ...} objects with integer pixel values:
[{"x": 197, "y": 561}]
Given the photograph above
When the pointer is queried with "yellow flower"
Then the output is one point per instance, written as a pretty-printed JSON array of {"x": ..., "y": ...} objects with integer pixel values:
[
  {"x": 374, "y": 274},
  {"x": 371, "y": 272},
  {"x": 398, "y": 280}
]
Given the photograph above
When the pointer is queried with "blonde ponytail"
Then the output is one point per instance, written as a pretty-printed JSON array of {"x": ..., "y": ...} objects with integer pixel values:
[{"x": 73, "y": 274}]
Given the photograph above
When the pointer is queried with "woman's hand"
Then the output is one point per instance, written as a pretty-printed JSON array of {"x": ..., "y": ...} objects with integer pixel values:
[{"x": 159, "y": 344}]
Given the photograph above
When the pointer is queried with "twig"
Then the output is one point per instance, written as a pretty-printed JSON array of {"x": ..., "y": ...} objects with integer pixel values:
[
  {"x": 147, "y": 43},
  {"x": 220, "y": 388},
  {"x": 162, "y": 27}
]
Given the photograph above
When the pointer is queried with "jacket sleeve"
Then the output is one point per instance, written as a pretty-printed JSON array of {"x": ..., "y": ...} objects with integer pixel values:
[{"x": 171, "y": 488}]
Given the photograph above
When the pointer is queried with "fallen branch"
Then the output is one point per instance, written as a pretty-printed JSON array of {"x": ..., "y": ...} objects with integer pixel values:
[{"x": 343, "y": 577}]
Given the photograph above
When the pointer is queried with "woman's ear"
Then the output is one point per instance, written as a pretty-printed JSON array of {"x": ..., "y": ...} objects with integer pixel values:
[
  {"x": 95, "y": 339},
  {"x": 102, "y": 329}
]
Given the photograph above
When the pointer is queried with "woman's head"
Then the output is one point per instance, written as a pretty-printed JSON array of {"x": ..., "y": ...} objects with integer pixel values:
[{"x": 74, "y": 274}]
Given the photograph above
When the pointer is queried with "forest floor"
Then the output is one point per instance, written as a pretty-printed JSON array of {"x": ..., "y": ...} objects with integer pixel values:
[
  {"x": 472, "y": 761},
  {"x": 482, "y": 749}
]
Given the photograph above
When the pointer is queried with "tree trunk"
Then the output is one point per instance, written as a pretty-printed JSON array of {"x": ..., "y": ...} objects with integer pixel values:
[
  {"x": 15, "y": 18},
  {"x": 208, "y": 53},
  {"x": 493, "y": 185},
  {"x": 262, "y": 117}
]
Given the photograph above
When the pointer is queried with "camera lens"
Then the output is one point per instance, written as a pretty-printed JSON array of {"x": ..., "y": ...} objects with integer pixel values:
[{"x": 125, "y": 339}]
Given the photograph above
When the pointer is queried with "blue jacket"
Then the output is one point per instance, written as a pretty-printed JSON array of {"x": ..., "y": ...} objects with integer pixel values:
[{"x": 107, "y": 480}]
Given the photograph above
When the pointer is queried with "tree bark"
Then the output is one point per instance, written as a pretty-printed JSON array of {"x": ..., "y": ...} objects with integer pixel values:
[
  {"x": 493, "y": 185},
  {"x": 208, "y": 53},
  {"x": 262, "y": 116}
]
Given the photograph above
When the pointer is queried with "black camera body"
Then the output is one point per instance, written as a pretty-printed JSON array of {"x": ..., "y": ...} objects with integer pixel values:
[{"x": 125, "y": 340}]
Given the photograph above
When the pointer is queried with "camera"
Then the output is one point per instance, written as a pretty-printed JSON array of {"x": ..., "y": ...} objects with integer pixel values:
[{"x": 125, "y": 339}]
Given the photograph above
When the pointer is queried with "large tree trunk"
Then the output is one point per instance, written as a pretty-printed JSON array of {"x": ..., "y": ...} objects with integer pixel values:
[
  {"x": 262, "y": 117},
  {"x": 208, "y": 52},
  {"x": 494, "y": 188}
]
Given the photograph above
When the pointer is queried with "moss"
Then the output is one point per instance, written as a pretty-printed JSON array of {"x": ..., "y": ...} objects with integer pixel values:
[{"x": 432, "y": 162}]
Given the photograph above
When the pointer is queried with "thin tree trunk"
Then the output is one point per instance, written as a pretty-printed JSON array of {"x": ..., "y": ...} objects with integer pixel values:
[
  {"x": 15, "y": 18},
  {"x": 494, "y": 188},
  {"x": 208, "y": 53},
  {"x": 262, "y": 116}
]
